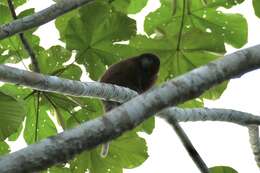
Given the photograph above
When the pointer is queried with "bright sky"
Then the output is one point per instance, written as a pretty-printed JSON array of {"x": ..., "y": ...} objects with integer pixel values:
[{"x": 218, "y": 143}]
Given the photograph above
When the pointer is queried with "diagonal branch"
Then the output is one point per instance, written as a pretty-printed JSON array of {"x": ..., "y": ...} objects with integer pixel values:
[
  {"x": 88, "y": 135},
  {"x": 174, "y": 115},
  {"x": 188, "y": 145},
  {"x": 40, "y": 18},
  {"x": 24, "y": 40}
]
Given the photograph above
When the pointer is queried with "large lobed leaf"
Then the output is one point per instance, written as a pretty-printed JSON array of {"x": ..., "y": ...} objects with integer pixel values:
[
  {"x": 94, "y": 37},
  {"x": 12, "y": 114},
  {"x": 256, "y": 5},
  {"x": 127, "y": 151},
  {"x": 15, "y": 2},
  {"x": 232, "y": 28},
  {"x": 222, "y": 169},
  {"x": 11, "y": 49}
]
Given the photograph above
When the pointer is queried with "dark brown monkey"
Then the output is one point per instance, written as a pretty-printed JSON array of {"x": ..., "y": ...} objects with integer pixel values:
[{"x": 138, "y": 73}]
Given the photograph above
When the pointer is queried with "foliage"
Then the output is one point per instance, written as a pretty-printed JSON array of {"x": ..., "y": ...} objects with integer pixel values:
[
  {"x": 256, "y": 5},
  {"x": 11, "y": 114},
  {"x": 4, "y": 148},
  {"x": 222, "y": 169},
  {"x": 184, "y": 34}
]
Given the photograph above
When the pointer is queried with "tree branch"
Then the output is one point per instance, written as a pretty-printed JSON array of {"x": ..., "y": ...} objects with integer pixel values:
[
  {"x": 55, "y": 84},
  {"x": 188, "y": 146},
  {"x": 41, "y": 17},
  {"x": 206, "y": 114},
  {"x": 255, "y": 142},
  {"x": 24, "y": 41},
  {"x": 172, "y": 115},
  {"x": 88, "y": 135}
]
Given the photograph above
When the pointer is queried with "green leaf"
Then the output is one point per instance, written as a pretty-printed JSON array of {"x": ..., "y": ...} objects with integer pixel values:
[
  {"x": 61, "y": 101},
  {"x": 11, "y": 114},
  {"x": 144, "y": 44},
  {"x": 81, "y": 163},
  {"x": 107, "y": 25},
  {"x": 94, "y": 38},
  {"x": 191, "y": 54},
  {"x": 222, "y": 169},
  {"x": 57, "y": 169},
  {"x": 215, "y": 3},
  {"x": 15, "y": 135},
  {"x": 75, "y": 36},
  {"x": 90, "y": 109},
  {"x": 136, "y": 6},
  {"x": 71, "y": 111},
  {"x": 129, "y": 6},
  {"x": 25, "y": 13},
  {"x": 195, "y": 103},
  {"x": 61, "y": 22},
  {"x": 147, "y": 126},
  {"x": 195, "y": 49},
  {"x": 11, "y": 49},
  {"x": 215, "y": 92},
  {"x": 4, "y": 148},
  {"x": 4, "y": 13},
  {"x": 169, "y": 20},
  {"x": 52, "y": 59},
  {"x": 72, "y": 72},
  {"x": 15, "y": 2},
  {"x": 121, "y": 5},
  {"x": 159, "y": 17},
  {"x": 256, "y": 5},
  {"x": 45, "y": 125},
  {"x": 231, "y": 27},
  {"x": 128, "y": 151},
  {"x": 18, "y": 92}
]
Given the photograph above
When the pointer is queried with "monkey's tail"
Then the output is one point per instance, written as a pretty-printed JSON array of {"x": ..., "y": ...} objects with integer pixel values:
[
  {"x": 109, "y": 105},
  {"x": 104, "y": 150}
]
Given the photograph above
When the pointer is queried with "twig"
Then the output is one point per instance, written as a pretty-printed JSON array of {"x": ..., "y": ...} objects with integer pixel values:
[
  {"x": 26, "y": 44},
  {"x": 188, "y": 146}
]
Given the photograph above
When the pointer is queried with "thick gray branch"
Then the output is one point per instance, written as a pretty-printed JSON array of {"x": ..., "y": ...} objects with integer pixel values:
[
  {"x": 64, "y": 86},
  {"x": 40, "y": 18},
  {"x": 205, "y": 114},
  {"x": 254, "y": 142},
  {"x": 120, "y": 94},
  {"x": 66, "y": 145}
]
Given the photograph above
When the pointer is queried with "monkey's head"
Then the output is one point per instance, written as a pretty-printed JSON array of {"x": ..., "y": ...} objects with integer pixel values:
[{"x": 150, "y": 63}]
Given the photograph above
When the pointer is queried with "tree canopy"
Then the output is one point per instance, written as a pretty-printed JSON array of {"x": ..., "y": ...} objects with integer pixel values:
[{"x": 185, "y": 34}]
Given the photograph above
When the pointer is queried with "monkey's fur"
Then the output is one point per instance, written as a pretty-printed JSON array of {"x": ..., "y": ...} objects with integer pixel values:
[{"x": 137, "y": 73}]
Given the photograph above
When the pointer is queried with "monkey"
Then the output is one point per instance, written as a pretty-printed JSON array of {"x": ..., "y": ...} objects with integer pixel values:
[
  {"x": 137, "y": 73},
  {"x": 140, "y": 73}
]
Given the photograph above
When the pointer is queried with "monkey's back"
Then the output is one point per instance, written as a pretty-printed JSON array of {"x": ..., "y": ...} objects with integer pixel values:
[
  {"x": 136, "y": 73},
  {"x": 125, "y": 73}
]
